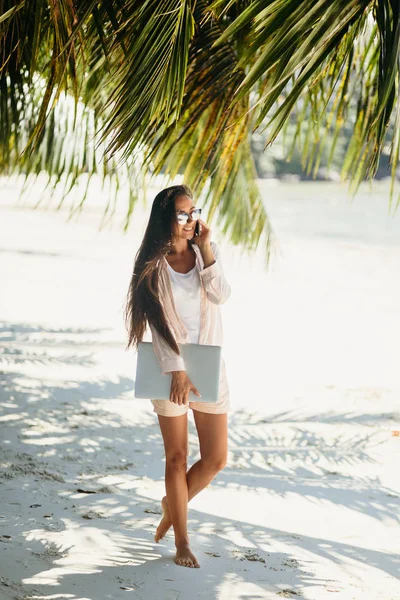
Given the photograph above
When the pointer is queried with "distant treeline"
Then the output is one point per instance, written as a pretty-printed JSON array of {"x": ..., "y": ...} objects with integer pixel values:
[{"x": 273, "y": 162}]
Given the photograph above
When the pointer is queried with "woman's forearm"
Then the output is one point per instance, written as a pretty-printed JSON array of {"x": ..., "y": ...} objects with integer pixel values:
[{"x": 207, "y": 255}]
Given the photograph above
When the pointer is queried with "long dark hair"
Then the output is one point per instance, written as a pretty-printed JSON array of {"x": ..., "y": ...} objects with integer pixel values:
[{"x": 143, "y": 304}]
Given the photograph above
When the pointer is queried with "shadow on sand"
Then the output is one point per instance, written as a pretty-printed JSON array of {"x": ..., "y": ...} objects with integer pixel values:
[{"x": 61, "y": 434}]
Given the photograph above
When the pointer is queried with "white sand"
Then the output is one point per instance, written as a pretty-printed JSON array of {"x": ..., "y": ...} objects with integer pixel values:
[{"x": 308, "y": 505}]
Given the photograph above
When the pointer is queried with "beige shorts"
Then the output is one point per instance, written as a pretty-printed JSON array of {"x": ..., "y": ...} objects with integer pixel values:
[{"x": 170, "y": 409}]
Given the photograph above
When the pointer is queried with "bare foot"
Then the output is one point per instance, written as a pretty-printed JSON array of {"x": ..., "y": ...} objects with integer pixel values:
[
  {"x": 185, "y": 557},
  {"x": 165, "y": 522}
]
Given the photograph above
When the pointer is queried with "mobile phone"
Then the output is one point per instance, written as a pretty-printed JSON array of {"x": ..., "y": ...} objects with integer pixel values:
[{"x": 197, "y": 228}]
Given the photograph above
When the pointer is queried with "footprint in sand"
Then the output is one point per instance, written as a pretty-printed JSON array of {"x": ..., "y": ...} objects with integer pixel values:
[
  {"x": 290, "y": 562},
  {"x": 250, "y": 555},
  {"x": 93, "y": 514},
  {"x": 153, "y": 511}
]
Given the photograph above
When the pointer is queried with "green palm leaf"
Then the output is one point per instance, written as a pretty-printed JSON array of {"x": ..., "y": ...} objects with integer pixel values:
[{"x": 296, "y": 46}]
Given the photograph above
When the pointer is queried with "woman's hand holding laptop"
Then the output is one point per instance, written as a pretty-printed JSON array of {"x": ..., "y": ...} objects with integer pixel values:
[{"x": 181, "y": 386}]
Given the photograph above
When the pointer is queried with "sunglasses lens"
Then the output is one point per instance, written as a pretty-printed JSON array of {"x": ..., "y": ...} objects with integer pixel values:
[{"x": 184, "y": 217}]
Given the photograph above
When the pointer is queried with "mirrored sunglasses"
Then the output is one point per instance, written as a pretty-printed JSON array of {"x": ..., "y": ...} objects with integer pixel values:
[{"x": 183, "y": 217}]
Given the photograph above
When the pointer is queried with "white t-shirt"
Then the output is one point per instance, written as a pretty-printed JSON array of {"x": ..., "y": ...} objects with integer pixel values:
[{"x": 186, "y": 292}]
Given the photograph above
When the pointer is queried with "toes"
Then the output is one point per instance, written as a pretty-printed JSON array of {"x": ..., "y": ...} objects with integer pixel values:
[
  {"x": 187, "y": 562},
  {"x": 182, "y": 562}
]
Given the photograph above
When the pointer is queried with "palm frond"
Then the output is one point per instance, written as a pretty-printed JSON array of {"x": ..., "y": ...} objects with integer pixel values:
[
  {"x": 306, "y": 54},
  {"x": 209, "y": 143}
]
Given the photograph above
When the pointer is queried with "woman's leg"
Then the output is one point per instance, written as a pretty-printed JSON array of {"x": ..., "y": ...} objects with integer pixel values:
[
  {"x": 212, "y": 430},
  {"x": 175, "y": 434}
]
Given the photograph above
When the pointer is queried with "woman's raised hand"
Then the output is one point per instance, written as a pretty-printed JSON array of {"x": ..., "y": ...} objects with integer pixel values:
[
  {"x": 205, "y": 236},
  {"x": 181, "y": 387}
]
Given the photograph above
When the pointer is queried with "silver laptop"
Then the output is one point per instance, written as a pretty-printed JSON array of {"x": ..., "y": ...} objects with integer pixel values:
[{"x": 202, "y": 364}]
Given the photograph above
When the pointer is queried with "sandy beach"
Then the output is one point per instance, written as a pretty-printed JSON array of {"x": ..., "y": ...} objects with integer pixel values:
[{"x": 308, "y": 506}]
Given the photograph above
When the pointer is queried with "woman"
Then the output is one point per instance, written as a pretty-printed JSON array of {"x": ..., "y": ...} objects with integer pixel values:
[{"x": 176, "y": 287}]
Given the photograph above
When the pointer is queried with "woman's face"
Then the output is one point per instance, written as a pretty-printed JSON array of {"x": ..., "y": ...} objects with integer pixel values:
[{"x": 186, "y": 231}]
